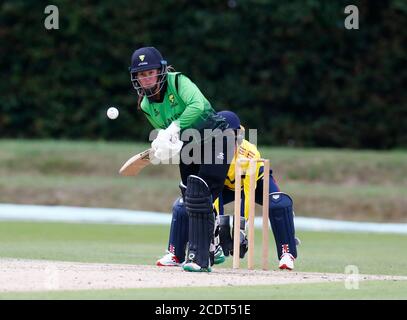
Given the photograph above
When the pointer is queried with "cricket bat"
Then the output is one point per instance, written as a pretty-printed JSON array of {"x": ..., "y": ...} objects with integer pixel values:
[{"x": 135, "y": 164}]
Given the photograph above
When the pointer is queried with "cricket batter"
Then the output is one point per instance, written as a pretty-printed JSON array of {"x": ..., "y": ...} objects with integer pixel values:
[{"x": 172, "y": 103}]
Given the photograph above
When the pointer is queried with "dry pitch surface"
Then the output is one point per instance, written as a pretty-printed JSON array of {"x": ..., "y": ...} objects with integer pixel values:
[{"x": 39, "y": 275}]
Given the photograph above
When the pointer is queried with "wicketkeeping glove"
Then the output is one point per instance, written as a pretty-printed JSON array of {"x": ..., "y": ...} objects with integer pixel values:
[
  {"x": 226, "y": 241},
  {"x": 243, "y": 239}
]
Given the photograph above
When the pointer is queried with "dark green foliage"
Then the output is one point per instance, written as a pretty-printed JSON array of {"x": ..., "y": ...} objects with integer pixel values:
[{"x": 290, "y": 69}]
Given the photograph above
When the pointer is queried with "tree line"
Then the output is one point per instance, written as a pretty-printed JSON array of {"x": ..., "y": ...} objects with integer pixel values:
[{"x": 291, "y": 70}]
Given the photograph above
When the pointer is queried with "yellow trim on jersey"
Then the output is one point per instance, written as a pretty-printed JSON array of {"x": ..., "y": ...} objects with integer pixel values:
[{"x": 248, "y": 151}]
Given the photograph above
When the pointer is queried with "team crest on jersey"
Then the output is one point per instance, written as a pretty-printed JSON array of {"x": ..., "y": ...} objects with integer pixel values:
[
  {"x": 156, "y": 112},
  {"x": 171, "y": 98},
  {"x": 142, "y": 57}
]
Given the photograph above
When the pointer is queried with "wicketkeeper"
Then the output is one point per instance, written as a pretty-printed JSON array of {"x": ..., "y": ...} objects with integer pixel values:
[{"x": 281, "y": 214}]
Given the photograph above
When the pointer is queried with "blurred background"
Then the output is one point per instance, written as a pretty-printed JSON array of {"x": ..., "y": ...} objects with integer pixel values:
[{"x": 329, "y": 103}]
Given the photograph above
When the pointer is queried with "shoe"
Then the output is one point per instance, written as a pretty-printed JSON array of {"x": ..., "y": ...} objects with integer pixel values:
[
  {"x": 193, "y": 267},
  {"x": 219, "y": 256},
  {"x": 287, "y": 261},
  {"x": 169, "y": 260}
]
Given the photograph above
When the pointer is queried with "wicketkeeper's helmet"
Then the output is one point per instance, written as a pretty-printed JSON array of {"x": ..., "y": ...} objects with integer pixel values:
[
  {"x": 231, "y": 118},
  {"x": 234, "y": 123}
]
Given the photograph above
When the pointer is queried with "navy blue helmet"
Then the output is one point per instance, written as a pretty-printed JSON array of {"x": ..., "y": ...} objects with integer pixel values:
[
  {"x": 231, "y": 118},
  {"x": 143, "y": 59},
  {"x": 234, "y": 123}
]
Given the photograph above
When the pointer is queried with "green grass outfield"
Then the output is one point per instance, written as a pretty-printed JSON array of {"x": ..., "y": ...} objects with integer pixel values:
[
  {"x": 132, "y": 244},
  {"x": 368, "y": 290},
  {"x": 328, "y": 183}
]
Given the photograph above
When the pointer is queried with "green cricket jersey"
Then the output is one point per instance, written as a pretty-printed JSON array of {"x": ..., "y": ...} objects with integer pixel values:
[{"x": 183, "y": 103}]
